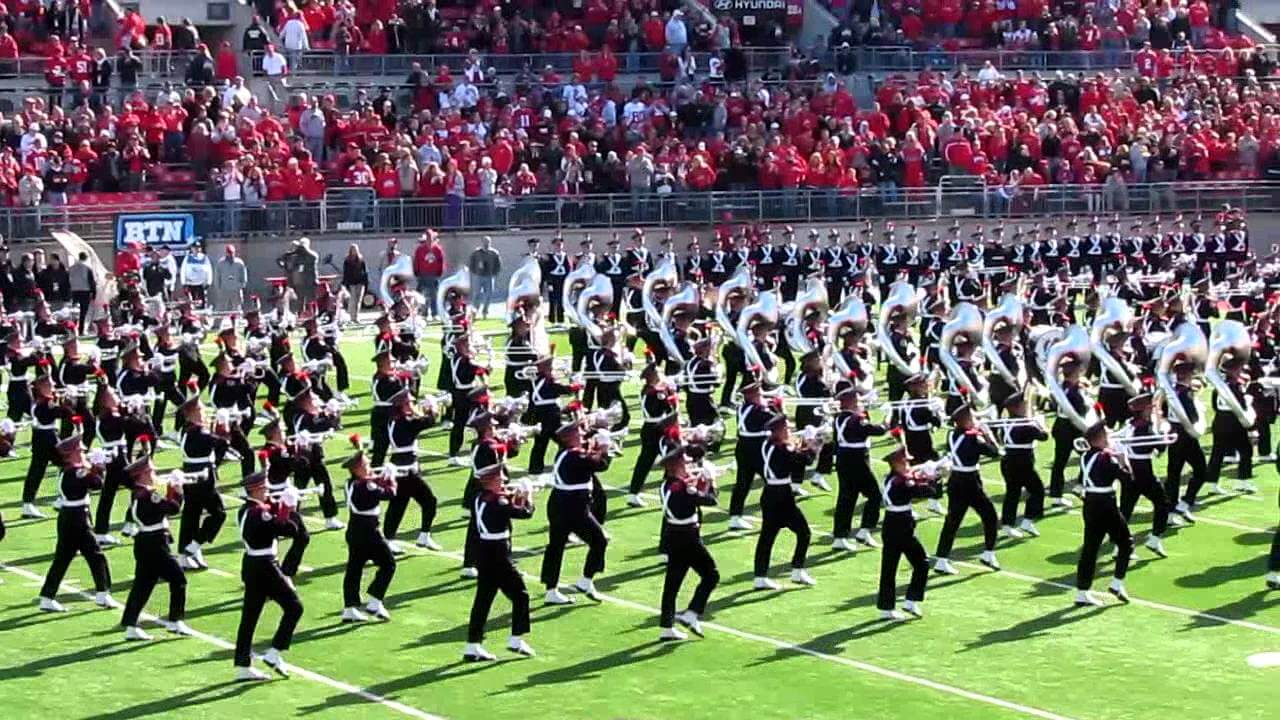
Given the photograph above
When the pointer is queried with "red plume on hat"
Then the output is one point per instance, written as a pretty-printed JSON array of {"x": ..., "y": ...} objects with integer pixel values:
[
  {"x": 672, "y": 432},
  {"x": 354, "y": 439}
]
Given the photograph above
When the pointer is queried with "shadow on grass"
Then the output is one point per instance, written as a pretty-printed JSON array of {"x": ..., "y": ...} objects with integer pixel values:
[
  {"x": 37, "y": 667},
  {"x": 1036, "y": 626},
  {"x": 180, "y": 704}
]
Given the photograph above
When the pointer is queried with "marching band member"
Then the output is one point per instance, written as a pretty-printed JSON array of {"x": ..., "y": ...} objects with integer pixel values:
[
  {"x": 778, "y": 508},
  {"x": 22, "y": 366},
  {"x": 1064, "y": 431},
  {"x": 260, "y": 522},
  {"x": 311, "y": 427},
  {"x": 1230, "y": 434},
  {"x": 735, "y": 364},
  {"x": 555, "y": 268},
  {"x": 700, "y": 384},
  {"x": 493, "y": 510},
  {"x": 294, "y": 382},
  {"x": 753, "y": 429},
  {"x": 257, "y": 348},
  {"x": 967, "y": 443},
  {"x": 1144, "y": 482},
  {"x": 1018, "y": 468},
  {"x": 73, "y": 376},
  {"x": 920, "y": 420},
  {"x": 853, "y": 433},
  {"x": 1100, "y": 469},
  {"x": 202, "y": 450},
  {"x": 811, "y": 385},
  {"x": 658, "y": 405},
  {"x": 281, "y": 464},
  {"x": 192, "y": 331},
  {"x": 569, "y": 511},
  {"x": 317, "y": 358},
  {"x": 999, "y": 390},
  {"x": 46, "y": 417},
  {"x": 520, "y": 355},
  {"x": 108, "y": 347},
  {"x": 545, "y": 406},
  {"x": 486, "y": 450},
  {"x": 365, "y": 543},
  {"x": 1185, "y": 450},
  {"x": 164, "y": 361},
  {"x": 386, "y": 384},
  {"x": 329, "y": 316},
  {"x": 231, "y": 398},
  {"x": 609, "y": 369},
  {"x": 402, "y": 433},
  {"x": 150, "y": 511},
  {"x": 610, "y": 264},
  {"x": 899, "y": 534},
  {"x": 115, "y": 431},
  {"x": 683, "y": 497},
  {"x": 466, "y": 376},
  {"x": 75, "y": 534}
]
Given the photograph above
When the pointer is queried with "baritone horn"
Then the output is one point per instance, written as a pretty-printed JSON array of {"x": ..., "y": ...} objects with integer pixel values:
[
  {"x": 686, "y": 301},
  {"x": 398, "y": 273},
  {"x": 574, "y": 284}
]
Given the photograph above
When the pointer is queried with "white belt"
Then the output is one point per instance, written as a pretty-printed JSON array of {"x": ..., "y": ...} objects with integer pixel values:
[
  {"x": 853, "y": 446},
  {"x": 157, "y": 527},
  {"x": 108, "y": 354},
  {"x": 897, "y": 508},
  {"x": 203, "y": 460},
  {"x": 1111, "y": 386},
  {"x": 957, "y": 467},
  {"x": 374, "y": 512},
  {"x": 1099, "y": 490},
  {"x": 1017, "y": 446},
  {"x": 504, "y": 535},
  {"x": 753, "y": 433},
  {"x": 656, "y": 420},
  {"x": 544, "y": 402},
  {"x": 556, "y": 485},
  {"x": 1139, "y": 456},
  {"x": 777, "y": 481},
  {"x": 403, "y": 449},
  {"x": 261, "y": 552},
  {"x": 380, "y": 403},
  {"x": 64, "y": 503},
  {"x": 44, "y": 426}
]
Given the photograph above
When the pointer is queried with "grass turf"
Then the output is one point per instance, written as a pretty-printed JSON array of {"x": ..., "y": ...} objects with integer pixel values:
[{"x": 992, "y": 644}]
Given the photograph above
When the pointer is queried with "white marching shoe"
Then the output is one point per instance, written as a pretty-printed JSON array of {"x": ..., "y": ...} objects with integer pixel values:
[
  {"x": 587, "y": 587},
  {"x": 275, "y": 661},
  {"x": 945, "y": 567},
  {"x": 474, "y": 652},
  {"x": 1084, "y": 598},
  {"x": 375, "y": 608},
  {"x": 737, "y": 522},
  {"x": 457, "y": 461},
  {"x": 1273, "y": 580},
  {"x": 634, "y": 500},
  {"x": 892, "y": 615},
  {"x": 106, "y": 602},
  {"x": 1220, "y": 489},
  {"x": 914, "y": 608},
  {"x": 250, "y": 674},
  {"x": 470, "y": 573},
  {"x": 820, "y": 481},
  {"x": 764, "y": 583},
  {"x": 129, "y": 529},
  {"x": 1117, "y": 588},
  {"x": 1010, "y": 532},
  {"x": 1029, "y": 528},
  {"x": 690, "y": 619},
  {"x": 844, "y": 544},
  {"x": 1247, "y": 487},
  {"x": 425, "y": 541},
  {"x": 29, "y": 510},
  {"x": 672, "y": 635},
  {"x": 800, "y": 577},
  {"x": 107, "y": 540},
  {"x": 865, "y": 537},
  {"x": 555, "y": 597},
  {"x": 1155, "y": 545},
  {"x": 798, "y": 490},
  {"x": 396, "y": 547},
  {"x": 352, "y": 615},
  {"x": 333, "y": 523},
  {"x": 935, "y": 506},
  {"x": 1062, "y": 502},
  {"x": 195, "y": 556},
  {"x": 1184, "y": 511},
  {"x": 177, "y": 627},
  {"x": 133, "y": 632},
  {"x": 1176, "y": 520},
  {"x": 988, "y": 558},
  {"x": 517, "y": 645},
  {"x": 52, "y": 606}
]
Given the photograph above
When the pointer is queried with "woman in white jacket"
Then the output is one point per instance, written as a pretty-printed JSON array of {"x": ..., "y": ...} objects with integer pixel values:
[{"x": 196, "y": 275}]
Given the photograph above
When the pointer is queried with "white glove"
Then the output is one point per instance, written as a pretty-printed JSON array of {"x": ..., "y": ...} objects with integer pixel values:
[
  {"x": 98, "y": 456},
  {"x": 290, "y": 497}
]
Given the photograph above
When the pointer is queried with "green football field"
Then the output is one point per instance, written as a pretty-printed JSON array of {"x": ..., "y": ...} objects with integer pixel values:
[{"x": 992, "y": 644}]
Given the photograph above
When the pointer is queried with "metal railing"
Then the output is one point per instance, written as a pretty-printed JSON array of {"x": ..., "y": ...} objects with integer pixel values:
[
  {"x": 172, "y": 65},
  {"x": 356, "y": 210}
]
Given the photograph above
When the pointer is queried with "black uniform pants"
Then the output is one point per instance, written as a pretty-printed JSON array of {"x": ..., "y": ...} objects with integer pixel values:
[
  {"x": 555, "y": 294},
  {"x": 685, "y": 552},
  {"x": 410, "y": 486},
  {"x": 496, "y": 573},
  {"x": 650, "y": 436},
  {"x": 570, "y": 512},
  {"x": 964, "y": 491},
  {"x": 1064, "y": 437},
  {"x": 168, "y": 393},
  {"x": 900, "y": 541},
  {"x": 43, "y": 454},
  {"x": 364, "y": 545},
  {"x": 1145, "y": 485},
  {"x": 297, "y": 546},
  {"x": 779, "y": 510},
  {"x": 1228, "y": 436},
  {"x": 112, "y": 482},
  {"x": 379, "y": 434},
  {"x": 264, "y": 581},
  {"x": 1018, "y": 468},
  {"x": 538, "y": 454},
  {"x": 734, "y": 367},
  {"x": 608, "y": 394},
  {"x": 202, "y": 513},
  {"x": 1102, "y": 519},
  {"x": 578, "y": 347},
  {"x": 19, "y": 397},
  {"x": 342, "y": 374},
  {"x": 1185, "y": 451},
  {"x": 153, "y": 563},
  {"x": 748, "y": 460},
  {"x": 854, "y": 478},
  {"x": 461, "y": 413},
  {"x": 76, "y": 537},
  {"x": 1115, "y": 405},
  {"x": 189, "y": 366}
]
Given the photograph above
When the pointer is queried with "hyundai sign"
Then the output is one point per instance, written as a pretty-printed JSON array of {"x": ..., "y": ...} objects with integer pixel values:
[
  {"x": 755, "y": 13},
  {"x": 176, "y": 231}
]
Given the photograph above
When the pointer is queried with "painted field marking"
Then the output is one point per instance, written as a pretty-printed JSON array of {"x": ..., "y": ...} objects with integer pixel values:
[
  {"x": 300, "y": 671},
  {"x": 1264, "y": 660}
]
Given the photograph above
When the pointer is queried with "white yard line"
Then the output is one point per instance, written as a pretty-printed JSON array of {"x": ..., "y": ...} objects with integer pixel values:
[{"x": 295, "y": 669}]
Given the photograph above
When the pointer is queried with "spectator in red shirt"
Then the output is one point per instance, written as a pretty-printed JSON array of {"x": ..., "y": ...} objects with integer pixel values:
[{"x": 428, "y": 267}]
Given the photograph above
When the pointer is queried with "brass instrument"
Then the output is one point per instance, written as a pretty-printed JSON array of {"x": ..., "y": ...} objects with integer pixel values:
[
  {"x": 459, "y": 283},
  {"x": 1074, "y": 344},
  {"x": 739, "y": 284},
  {"x": 575, "y": 284},
  {"x": 687, "y": 300},
  {"x": 524, "y": 296},
  {"x": 1115, "y": 316},
  {"x": 399, "y": 272},
  {"x": 965, "y": 321},
  {"x": 1229, "y": 337},
  {"x": 902, "y": 300},
  {"x": 662, "y": 280},
  {"x": 764, "y": 311},
  {"x": 1008, "y": 313},
  {"x": 813, "y": 298},
  {"x": 1186, "y": 343}
]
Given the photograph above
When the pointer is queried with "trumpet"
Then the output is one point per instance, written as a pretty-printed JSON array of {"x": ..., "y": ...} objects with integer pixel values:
[
  {"x": 529, "y": 372},
  {"x": 415, "y": 366},
  {"x": 436, "y": 405},
  {"x": 604, "y": 418},
  {"x": 605, "y": 376},
  {"x": 1145, "y": 441},
  {"x": 318, "y": 366},
  {"x": 703, "y": 434},
  {"x": 178, "y": 478},
  {"x": 290, "y": 496},
  {"x": 515, "y": 432},
  {"x": 308, "y": 439},
  {"x": 79, "y": 391},
  {"x": 510, "y": 407},
  {"x": 814, "y": 435},
  {"x": 933, "y": 470},
  {"x": 607, "y": 442}
]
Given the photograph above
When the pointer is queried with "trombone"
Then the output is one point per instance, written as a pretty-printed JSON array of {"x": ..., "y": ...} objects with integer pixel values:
[
  {"x": 932, "y": 403},
  {"x": 1013, "y": 422}
]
